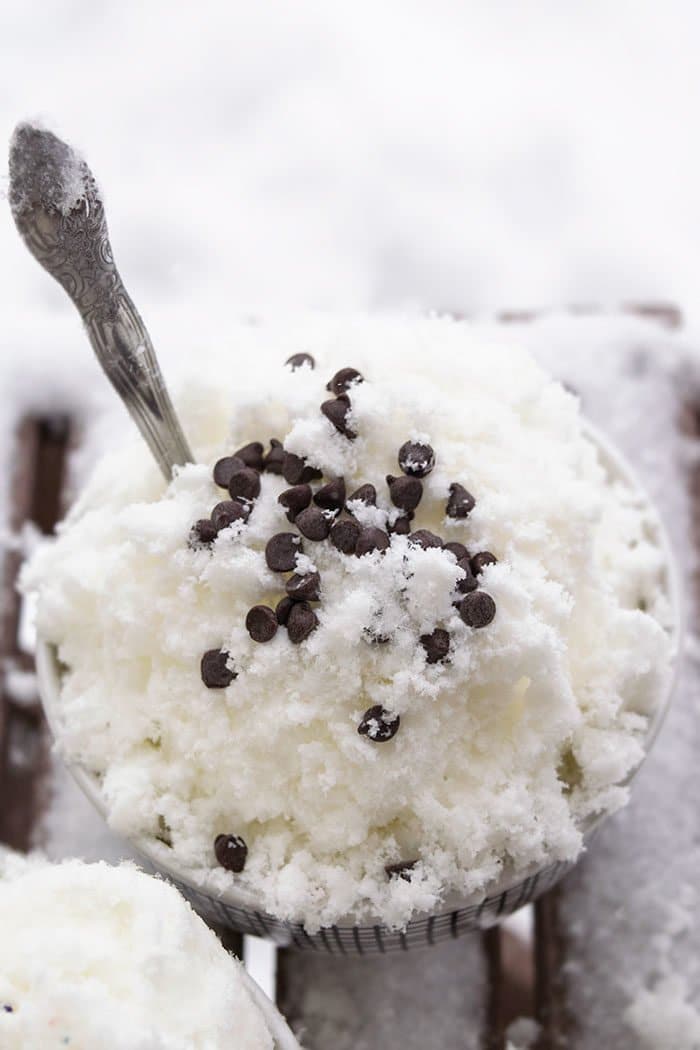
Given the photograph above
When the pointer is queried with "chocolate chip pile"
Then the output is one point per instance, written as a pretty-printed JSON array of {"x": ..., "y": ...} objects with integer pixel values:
[{"x": 330, "y": 514}]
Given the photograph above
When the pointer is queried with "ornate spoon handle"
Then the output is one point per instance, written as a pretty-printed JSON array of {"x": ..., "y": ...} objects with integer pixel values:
[{"x": 58, "y": 210}]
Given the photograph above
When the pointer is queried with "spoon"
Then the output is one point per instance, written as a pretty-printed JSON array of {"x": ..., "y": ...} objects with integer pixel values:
[{"x": 58, "y": 210}]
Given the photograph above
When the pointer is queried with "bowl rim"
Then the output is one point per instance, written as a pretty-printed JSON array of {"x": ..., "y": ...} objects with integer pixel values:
[{"x": 618, "y": 467}]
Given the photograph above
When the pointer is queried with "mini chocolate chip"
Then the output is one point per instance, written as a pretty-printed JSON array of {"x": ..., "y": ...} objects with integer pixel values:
[
  {"x": 343, "y": 380},
  {"x": 245, "y": 484},
  {"x": 296, "y": 470},
  {"x": 282, "y": 610},
  {"x": 405, "y": 492},
  {"x": 304, "y": 588},
  {"x": 425, "y": 538},
  {"x": 231, "y": 852},
  {"x": 228, "y": 511},
  {"x": 225, "y": 468},
  {"x": 295, "y": 499},
  {"x": 402, "y": 525},
  {"x": 261, "y": 623},
  {"x": 344, "y": 536},
  {"x": 477, "y": 609},
  {"x": 273, "y": 462},
  {"x": 215, "y": 672},
  {"x": 371, "y": 539},
  {"x": 332, "y": 495},
  {"x": 251, "y": 454},
  {"x": 337, "y": 412},
  {"x": 436, "y": 645},
  {"x": 302, "y": 620},
  {"x": 299, "y": 360},
  {"x": 458, "y": 549},
  {"x": 313, "y": 523},
  {"x": 378, "y": 724},
  {"x": 460, "y": 502},
  {"x": 281, "y": 551},
  {"x": 202, "y": 533},
  {"x": 416, "y": 458},
  {"x": 469, "y": 582},
  {"x": 402, "y": 870},
  {"x": 366, "y": 494},
  {"x": 481, "y": 560}
]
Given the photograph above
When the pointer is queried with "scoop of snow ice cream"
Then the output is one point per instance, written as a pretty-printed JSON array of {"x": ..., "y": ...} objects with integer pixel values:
[
  {"x": 93, "y": 955},
  {"x": 294, "y": 698}
]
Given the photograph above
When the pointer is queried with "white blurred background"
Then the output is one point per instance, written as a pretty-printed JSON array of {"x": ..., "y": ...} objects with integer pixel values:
[{"x": 456, "y": 156}]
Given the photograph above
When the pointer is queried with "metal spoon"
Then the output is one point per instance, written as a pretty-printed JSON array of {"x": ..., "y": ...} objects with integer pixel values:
[{"x": 58, "y": 210}]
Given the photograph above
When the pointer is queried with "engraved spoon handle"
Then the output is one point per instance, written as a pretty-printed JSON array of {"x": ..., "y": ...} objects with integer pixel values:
[{"x": 59, "y": 213}]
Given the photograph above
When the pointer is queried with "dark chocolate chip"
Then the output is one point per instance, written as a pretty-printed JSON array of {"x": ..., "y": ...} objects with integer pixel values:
[
  {"x": 228, "y": 511},
  {"x": 304, "y": 588},
  {"x": 295, "y": 499},
  {"x": 332, "y": 495},
  {"x": 282, "y": 610},
  {"x": 344, "y": 536},
  {"x": 481, "y": 560},
  {"x": 469, "y": 582},
  {"x": 366, "y": 494},
  {"x": 231, "y": 852},
  {"x": 202, "y": 533},
  {"x": 378, "y": 724},
  {"x": 8, "y": 1009},
  {"x": 477, "y": 609},
  {"x": 214, "y": 670},
  {"x": 402, "y": 525},
  {"x": 273, "y": 462},
  {"x": 299, "y": 360},
  {"x": 281, "y": 551},
  {"x": 225, "y": 468},
  {"x": 405, "y": 492},
  {"x": 302, "y": 620},
  {"x": 402, "y": 870},
  {"x": 343, "y": 380},
  {"x": 425, "y": 538},
  {"x": 436, "y": 645},
  {"x": 296, "y": 470},
  {"x": 416, "y": 459},
  {"x": 371, "y": 539},
  {"x": 460, "y": 502},
  {"x": 261, "y": 623},
  {"x": 245, "y": 484},
  {"x": 337, "y": 412},
  {"x": 251, "y": 454},
  {"x": 458, "y": 549},
  {"x": 313, "y": 523}
]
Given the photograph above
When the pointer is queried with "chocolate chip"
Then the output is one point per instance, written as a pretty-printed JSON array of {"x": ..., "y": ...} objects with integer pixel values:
[
  {"x": 299, "y": 360},
  {"x": 281, "y": 551},
  {"x": 402, "y": 525},
  {"x": 228, "y": 511},
  {"x": 337, "y": 411},
  {"x": 416, "y": 458},
  {"x": 251, "y": 454},
  {"x": 261, "y": 623},
  {"x": 405, "y": 492},
  {"x": 477, "y": 609},
  {"x": 344, "y": 536},
  {"x": 282, "y": 610},
  {"x": 425, "y": 539},
  {"x": 295, "y": 499},
  {"x": 215, "y": 672},
  {"x": 302, "y": 620},
  {"x": 313, "y": 523},
  {"x": 375, "y": 637},
  {"x": 343, "y": 380},
  {"x": 304, "y": 588},
  {"x": 366, "y": 494},
  {"x": 458, "y": 549},
  {"x": 378, "y": 724},
  {"x": 273, "y": 462},
  {"x": 202, "y": 533},
  {"x": 244, "y": 484},
  {"x": 460, "y": 502},
  {"x": 225, "y": 468},
  {"x": 436, "y": 645},
  {"x": 296, "y": 471},
  {"x": 469, "y": 582},
  {"x": 402, "y": 870},
  {"x": 332, "y": 495},
  {"x": 231, "y": 852},
  {"x": 371, "y": 539},
  {"x": 481, "y": 560}
]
